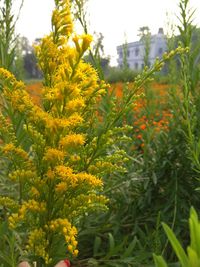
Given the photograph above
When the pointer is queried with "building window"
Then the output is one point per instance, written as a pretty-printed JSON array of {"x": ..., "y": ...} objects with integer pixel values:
[
  {"x": 136, "y": 65},
  {"x": 120, "y": 54},
  {"x": 128, "y": 53},
  {"x": 136, "y": 52}
]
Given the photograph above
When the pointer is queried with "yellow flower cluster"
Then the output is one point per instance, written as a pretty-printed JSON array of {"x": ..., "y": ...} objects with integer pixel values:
[
  {"x": 14, "y": 91},
  {"x": 52, "y": 124},
  {"x": 61, "y": 187},
  {"x": 8, "y": 202},
  {"x": 53, "y": 155},
  {"x": 37, "y": 244},
  {"x": 19, "y": 157},
  {"x": 62, "y": 20},
  {"x": 68, "y": 231},
  {"x": 6, "y": 130},
  {"x": 101, "y": 167},
  {"x": 8, "y": 79},
  {"x": 82, "y": 42},
  {"x": 22, "y": 175},
  {"x": 48, "y": 56},
  {"x": 75, "y": 105},
  {"x": 85, "y": 203},
  {"x": 34, "y": 192},
  {"x": 88, "y": 179},
  {"x": 74, "y": 120},
  {"x": 12, "y": 149},
  {"x": 67, "y": 178},
  {"x": 87, "y": 80},
  {"x": 63, "y": 171},
  {"x": 26, "y": 207},
  {"x": 20, "y": 100},
  {"x": 110, "y": 163},
  {"x": 70, "y": 180},
  {"x": 37, "y": 138},
  {"x": 72, "y": 140},
  {"x": 39, "y": 117}
]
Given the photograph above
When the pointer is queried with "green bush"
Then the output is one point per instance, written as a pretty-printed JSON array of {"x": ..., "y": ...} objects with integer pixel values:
[{"x": 120, "y": 75}]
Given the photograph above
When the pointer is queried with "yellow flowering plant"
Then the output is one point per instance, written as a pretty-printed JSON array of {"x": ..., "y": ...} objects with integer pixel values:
[
  {"x": 54, "y": 155},
  {"x": 42, "y": 146}
]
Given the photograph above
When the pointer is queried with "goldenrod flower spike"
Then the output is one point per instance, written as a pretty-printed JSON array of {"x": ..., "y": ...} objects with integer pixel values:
[{"x": 48, "y": 165}]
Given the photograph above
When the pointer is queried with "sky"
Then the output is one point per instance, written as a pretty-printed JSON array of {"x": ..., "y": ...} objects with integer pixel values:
[{"x": 117, "y": 20}]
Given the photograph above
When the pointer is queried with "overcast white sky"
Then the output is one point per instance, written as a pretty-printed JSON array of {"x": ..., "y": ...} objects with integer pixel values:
[{"x": 114, "y": 18}]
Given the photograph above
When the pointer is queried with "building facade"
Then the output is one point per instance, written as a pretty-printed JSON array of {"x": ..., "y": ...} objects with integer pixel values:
[{"x": 135, "y": 51}]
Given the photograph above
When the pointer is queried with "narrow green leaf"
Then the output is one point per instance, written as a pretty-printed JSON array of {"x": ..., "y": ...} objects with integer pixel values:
[
  {"x": 159, "y": 261},
  {"x": 194, "y": 231},
  {"x": 193, "y": 213},
  {"x": 6, "y": 258},
  {"x": 180, "y": 253},
  {"x": 111, "y": 243},
  {"x": 194, "y": 261},
  {"x": 130, "y": 248},
  {"x": 97, "y": 244}
]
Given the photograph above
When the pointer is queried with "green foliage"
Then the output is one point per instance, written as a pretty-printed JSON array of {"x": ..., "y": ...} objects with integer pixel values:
[
  {"x": 9, "y": 246},
  {"x": 120, "y": 75},
  {"x": 190, "y": 83},
  {"x": 170, "y": 159},
  {"x": 192, "y": 257},
  {"x": 161, "y": 179},
  {"x": 110, "y": 252},
  {"x": 126, "y": 190},
  {"x": 171, "y": 41},
  {"x": 8, "y": 39}
]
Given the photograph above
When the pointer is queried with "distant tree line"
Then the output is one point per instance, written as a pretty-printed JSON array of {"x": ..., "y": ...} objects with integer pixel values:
[
  {"x": 16, "y": 54},
  {"x": 31, "y": 70}
]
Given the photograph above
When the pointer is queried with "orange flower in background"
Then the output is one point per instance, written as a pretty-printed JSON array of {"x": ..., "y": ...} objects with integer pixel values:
[
  {"x": 34, "y": 90},
  {"x": 118, "y": 88},
  {"x": 143, "y": 126},
  {"x": 139, "y": 136}
]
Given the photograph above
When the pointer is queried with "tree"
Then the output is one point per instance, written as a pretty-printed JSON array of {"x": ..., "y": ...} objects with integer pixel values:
[
  {"x": 29, "y": 61},
  {"x": 145, "y": 36}
]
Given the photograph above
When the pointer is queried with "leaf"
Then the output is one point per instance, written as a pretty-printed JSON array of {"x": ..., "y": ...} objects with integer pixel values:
[
  {"x": 111, "y": 243},
  {"x": 180, "y": 253},
  {"x": 93, "y": 262},
  {"x": 193, "y": 257},
  {"x": 97, "y": 244},
  {"x": 154, "y": 178},
  {"x": 130, "y": 248},
  {"x": 6, "y": 258},
  {"x": 159, "y": 261},
  {"x": 3, "y": 228},
  {"x": 194, "y": 231}
]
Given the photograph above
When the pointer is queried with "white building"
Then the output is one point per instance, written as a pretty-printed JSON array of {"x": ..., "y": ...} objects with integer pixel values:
[{"x": 136, "y": 51}]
